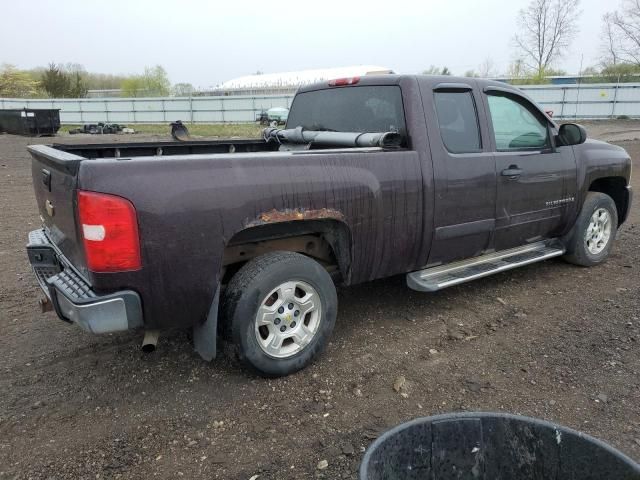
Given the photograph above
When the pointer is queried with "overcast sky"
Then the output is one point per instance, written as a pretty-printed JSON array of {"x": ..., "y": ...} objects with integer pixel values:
[{"x": 208, "y": 42}]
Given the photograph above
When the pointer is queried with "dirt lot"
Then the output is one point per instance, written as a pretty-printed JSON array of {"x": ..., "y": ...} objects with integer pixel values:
[{"x": 550, "y": 340}]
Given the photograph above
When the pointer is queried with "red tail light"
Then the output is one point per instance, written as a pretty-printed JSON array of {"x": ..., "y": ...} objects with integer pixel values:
[
  {"x": 340, "y": 82},
  {"x": 109, "y": 232}
]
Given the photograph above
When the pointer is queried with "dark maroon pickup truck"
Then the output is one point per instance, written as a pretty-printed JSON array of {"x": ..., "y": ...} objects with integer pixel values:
[{"x": 442, "y": 179}]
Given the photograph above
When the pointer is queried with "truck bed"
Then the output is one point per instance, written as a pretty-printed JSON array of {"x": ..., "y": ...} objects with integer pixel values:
[{"x": 144, "y": 149}]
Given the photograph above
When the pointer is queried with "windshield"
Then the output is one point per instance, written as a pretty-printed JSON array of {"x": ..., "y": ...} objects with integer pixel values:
[{"x": 351, "y": 109}]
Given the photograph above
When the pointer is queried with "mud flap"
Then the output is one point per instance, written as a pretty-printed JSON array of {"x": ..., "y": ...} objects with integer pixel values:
[{"x": 205, "y": 334}]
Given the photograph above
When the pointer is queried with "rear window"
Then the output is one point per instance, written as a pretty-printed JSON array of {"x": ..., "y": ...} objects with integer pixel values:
[
  {"x": 365, "y": 109},
  {"x": 458, "y": 121}
]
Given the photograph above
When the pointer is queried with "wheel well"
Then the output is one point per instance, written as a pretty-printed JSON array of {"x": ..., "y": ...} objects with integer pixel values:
[
  {"x": 327, "y": 241},
  {"x": 615, "y": 187}
]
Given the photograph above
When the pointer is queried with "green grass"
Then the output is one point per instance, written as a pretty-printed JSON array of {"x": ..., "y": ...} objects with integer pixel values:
[{"x": 244, "y": 130}]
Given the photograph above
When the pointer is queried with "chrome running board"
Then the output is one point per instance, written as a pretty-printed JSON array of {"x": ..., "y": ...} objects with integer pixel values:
[{"x": 437, "y": 278}]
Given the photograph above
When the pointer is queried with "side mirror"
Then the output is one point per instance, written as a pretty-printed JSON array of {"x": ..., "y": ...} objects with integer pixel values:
[{"x": 572, "y": 134}]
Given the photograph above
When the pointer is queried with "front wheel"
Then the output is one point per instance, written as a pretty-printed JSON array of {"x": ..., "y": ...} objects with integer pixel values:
[
  {"x": 280, "y": 309},
  {"x": 592, "y": 236}
]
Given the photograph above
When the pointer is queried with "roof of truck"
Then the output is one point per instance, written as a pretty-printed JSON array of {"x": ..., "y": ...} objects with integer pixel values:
[{"x": 394, "y": 79}]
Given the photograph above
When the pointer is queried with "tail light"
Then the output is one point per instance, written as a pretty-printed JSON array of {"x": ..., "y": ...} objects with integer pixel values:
[
  {"x": 341, "y": 82},
  {"x": 109, "y": 232}
]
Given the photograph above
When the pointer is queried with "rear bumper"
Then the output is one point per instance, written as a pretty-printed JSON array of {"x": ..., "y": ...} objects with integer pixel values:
[{"x": 73, "y": 298}]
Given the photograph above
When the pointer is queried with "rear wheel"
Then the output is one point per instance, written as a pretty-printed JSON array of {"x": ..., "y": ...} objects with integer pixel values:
[
  {"x": 280, "y": 309},
  {"x": 592, "y": 237}
]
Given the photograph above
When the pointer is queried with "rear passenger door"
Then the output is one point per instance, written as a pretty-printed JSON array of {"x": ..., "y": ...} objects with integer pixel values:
[
  {"x": 536, "y": 184},
  {"x": 464, "y": 172}
]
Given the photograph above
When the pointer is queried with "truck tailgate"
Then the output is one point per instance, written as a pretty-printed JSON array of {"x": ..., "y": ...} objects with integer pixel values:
[{"x": 55, "y": 174}]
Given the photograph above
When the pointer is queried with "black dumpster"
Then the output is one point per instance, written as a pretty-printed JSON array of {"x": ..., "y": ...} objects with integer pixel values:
[
  {"x": 32, "y": 122},
  {"x": 483, "y": 446}
]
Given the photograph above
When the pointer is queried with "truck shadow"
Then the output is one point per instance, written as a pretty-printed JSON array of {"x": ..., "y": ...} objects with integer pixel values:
[
  {"x": 390, "y": 301},
  {"x": 380, "y": 305}
]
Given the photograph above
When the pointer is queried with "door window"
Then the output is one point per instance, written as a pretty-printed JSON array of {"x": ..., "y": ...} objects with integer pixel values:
[
  {"x": 458, "y": 121},
  {"x": 515, "y": 126}
]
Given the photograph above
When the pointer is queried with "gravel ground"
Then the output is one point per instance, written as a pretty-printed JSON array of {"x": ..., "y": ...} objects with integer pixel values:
[{"x": 549, "y": 340}]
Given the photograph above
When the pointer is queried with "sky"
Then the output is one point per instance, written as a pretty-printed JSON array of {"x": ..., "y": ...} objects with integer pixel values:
[{"x": 207, "y": 42}]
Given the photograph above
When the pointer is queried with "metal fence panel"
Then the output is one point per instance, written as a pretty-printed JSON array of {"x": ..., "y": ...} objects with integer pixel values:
[
  {"x": 544, "y": 95},
  {"x": 629, "y": 94},
  {"x": 567, "y": 101},
  {"x": 606, "y": 100}
]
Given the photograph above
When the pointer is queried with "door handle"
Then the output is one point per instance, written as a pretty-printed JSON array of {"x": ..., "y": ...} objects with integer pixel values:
[{"x": 512, "y": 172}]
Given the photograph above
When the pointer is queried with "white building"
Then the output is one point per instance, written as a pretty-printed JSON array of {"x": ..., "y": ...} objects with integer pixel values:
[{"x": 288, "y": 82}]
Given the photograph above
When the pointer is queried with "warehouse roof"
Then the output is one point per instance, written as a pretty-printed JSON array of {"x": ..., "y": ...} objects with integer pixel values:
[{"x": 302, "y": 77}]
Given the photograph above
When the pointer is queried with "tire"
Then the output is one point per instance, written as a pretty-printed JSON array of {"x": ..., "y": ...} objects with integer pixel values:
[
  {"x": 582, "y": 247},
  {"x": 267, "y": 287}
]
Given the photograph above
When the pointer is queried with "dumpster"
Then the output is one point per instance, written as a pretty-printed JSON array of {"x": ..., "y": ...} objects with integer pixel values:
[
  {"x": 32, "y": 122},
  {"x": 492, "y": 446}
]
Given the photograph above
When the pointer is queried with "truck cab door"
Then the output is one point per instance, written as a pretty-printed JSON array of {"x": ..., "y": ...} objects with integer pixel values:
[
  {"x": 536, "y": 180},
  {"x": 464, "y": 171}
]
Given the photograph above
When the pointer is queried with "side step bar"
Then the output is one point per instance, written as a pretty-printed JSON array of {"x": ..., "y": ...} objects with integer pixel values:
[{"x": 436, "y": 278}]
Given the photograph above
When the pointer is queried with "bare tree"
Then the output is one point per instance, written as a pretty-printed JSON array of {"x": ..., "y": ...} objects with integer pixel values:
[
  {"x": 610, "y": 41},
  {"x": 623, "y": 30},
  {"x": 547, "y": 28},
  {"x": 487, "y": 68}
]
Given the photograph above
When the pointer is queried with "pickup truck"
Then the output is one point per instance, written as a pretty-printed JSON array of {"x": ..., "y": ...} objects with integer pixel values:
[{"x": 443, "y": 179}]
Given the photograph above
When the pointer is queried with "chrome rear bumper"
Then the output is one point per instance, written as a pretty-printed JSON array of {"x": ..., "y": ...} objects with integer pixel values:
[{"x": 73, "y": 298}]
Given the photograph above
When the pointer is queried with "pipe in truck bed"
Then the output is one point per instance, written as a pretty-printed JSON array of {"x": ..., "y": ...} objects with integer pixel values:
[{"x": 336, "y": 139}]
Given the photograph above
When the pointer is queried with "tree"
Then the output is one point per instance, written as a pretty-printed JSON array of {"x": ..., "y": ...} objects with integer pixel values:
[
  {"x": 77, "y": 85},
  {"x": 610, "y": 41},
  {"x": 183, "y": 89},
  {"x": 516, "y": 72},
  {"x": 487, "y": 68},
  {"x": 104, "y": 81},
  {"x": 54, "y": 82},
  {"x": 133, "y": 86},
  {"x": 433, "y": 70},
  {"x": 16, "y": 84},
  {"x": 620, "y": 72},
  {"x": 590, "y": 71},
  {"x": 519, "y": 74},
  {"x": 66, "y": 81},
  {"x": 621, "y": 34},
  {"x": 547, "y": 28},
  {"x": 76, "y": 74},
  {"x": 156, "y": 81}
]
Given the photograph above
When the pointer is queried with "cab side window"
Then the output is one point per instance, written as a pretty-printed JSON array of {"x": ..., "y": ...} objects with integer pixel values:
[
  {"x": 516, "y": 126},
  {"x": 458, "y": 121}
]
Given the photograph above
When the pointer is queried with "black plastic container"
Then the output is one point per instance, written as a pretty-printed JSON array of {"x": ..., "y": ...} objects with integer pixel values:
[
  {"x": 32, "y": 122},
  {"x": 495, "y": 446}
]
